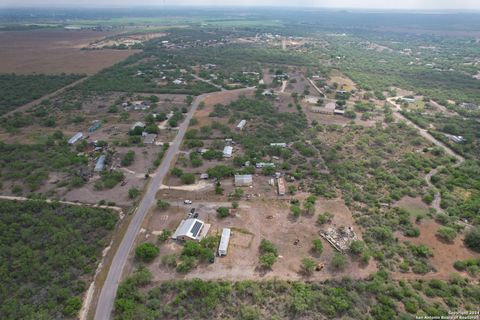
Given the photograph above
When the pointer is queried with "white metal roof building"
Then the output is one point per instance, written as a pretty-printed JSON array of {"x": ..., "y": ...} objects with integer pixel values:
[
  {"x": 224, "y": 241},
  {"x": 100, "y": 163},
  {"x": 75, "y": 138},
  {"x": 241, "y": 125},
  {"x": 138, "y": 124},
  {"x": 278, "y": 144},
  {"x": 227, "y": 151},
  {"x": 243, "y": 180},
  {"x": 189, "y": 229}
]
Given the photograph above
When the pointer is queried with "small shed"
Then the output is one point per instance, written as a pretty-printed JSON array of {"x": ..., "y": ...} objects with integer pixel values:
[
  {"x": 241, "y": 124},
  {"x": 95, "y": 125},
  {"x": 224, "y": 241},
  {"x": 100, "y": 163},
  {"x": 243, "y": 180},
  {"x": 149, "y": 138},
  {"x": 227, "y": 151},
  {"x": 75, "y": 138}
]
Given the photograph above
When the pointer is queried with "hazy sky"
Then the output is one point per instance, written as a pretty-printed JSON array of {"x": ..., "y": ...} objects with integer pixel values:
[{"x": 368, "y": 4}]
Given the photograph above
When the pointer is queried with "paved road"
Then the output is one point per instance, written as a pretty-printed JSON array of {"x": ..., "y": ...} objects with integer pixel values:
[
  {"x": 47, "y": 96},
  {"x": 109, "y": 289}
]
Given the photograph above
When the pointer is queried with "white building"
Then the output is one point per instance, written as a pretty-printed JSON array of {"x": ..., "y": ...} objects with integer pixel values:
[
  {"x": 224, "y": 241},
  {"x": 260, "y": 165},
  {"x": 227, "y": 151},
  {"x": 191, "y": 229},
  {"x": 241, "y": 125},
  {"x": 278, "y": 144},
  {"x": 138, "y": 124},
  {"x": 100, "y": 164},
  {"x": 243, "y": 180},
  {"x": 75, "y": 138}
]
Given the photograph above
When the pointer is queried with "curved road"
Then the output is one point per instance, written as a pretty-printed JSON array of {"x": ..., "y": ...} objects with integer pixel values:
[{"x": 114, "y": 276}]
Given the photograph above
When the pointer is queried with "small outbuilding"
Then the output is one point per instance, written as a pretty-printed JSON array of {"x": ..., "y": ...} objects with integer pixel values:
[
  {"x": 75, "y": 138},
  {"x": 243, "y": 180},
  {"x": 241, "y": 124},
  {"x": 224, "y": 241},
  {"x": 100, "y": 164},
  {"x": 227, "y": 151}
]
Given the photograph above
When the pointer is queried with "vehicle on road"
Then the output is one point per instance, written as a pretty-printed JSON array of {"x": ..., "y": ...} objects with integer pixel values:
[{"x": 188, "y": 202}]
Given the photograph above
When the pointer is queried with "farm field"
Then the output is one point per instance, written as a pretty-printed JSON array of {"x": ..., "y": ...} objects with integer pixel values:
[{"x": 55, "y": 52}]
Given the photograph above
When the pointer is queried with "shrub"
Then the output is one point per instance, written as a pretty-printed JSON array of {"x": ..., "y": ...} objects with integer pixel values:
[
  {"x": 339, "y": 261},
  {"x": 177, "y": 172},
  {"x": 162, "y": 205},
  {"x": 324, "y": 218},
  {"x": 447, "y": 233},
  {"x": 267, "y": 260},
  {"x": 165, "y": 235},
  {"x": 472, "y": 239},
  {"x": 146, "y": 252},
  {"x": 308, "y": 265},
  {"x": 187, "y": 178},
  {"x": 295, "y": 210},
  {"x": 169, "y": 260},
  {"x": 133, "y": 193},
  {"x": 128, "y": 159},
  {"x": 223, "y": 212},
  {"x": 317, "y": 246},
  {"x": 357, "y": 247}
]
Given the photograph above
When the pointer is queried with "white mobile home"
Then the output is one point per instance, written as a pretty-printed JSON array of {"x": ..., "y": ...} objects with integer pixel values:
[
  {"x": 75, "y": 138},
  {"x": 227, "y": 152},
  {"x": 224, "y": 241}
]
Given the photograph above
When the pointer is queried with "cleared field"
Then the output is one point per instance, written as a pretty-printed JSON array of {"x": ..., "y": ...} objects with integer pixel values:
[{"x": 55, "y": 51}]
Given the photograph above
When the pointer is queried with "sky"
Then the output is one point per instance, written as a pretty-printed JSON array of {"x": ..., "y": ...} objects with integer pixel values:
[{"x": 359, "y": 4}]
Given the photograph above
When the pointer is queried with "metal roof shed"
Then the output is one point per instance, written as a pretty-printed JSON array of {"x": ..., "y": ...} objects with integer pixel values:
[
  {"x": 227, "y": 152},
  {"x": 243, "y": 180},
  {"x": 100, "y": 163},
  {"x": 224, "y": 241}
]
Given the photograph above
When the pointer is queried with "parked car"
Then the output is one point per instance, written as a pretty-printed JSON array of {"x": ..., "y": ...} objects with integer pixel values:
[
  {"x": 187, "y": 201},
  {"x": 192, "y": 211},
  {"x": 195, "y": 215}
]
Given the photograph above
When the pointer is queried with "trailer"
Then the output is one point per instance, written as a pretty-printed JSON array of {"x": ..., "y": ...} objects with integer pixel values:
[{"x": 224, "y": 241}]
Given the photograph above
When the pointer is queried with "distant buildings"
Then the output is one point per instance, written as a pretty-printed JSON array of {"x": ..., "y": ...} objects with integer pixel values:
[
  {"x": 100, "y": 165},
  {"x": 191, "y": 229},
  {"x": 75, "y": 138},
  {"x": 227, "y": 151},
  {"x": 470, "y": 106},
  {"x": 241, "y": 125},
  {"x": 140, "y": 105},
  {"x": 243, "y": 180}
]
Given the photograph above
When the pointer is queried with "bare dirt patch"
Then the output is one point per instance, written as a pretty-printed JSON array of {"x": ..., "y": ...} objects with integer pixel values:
[
  {"x": 252, "y": 222},
  {"x": 444, "y": 254},
  {"x": 55, "y": 51}
]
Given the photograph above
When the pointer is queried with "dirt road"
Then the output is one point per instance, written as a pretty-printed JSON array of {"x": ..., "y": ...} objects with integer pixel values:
[
  {"x": 114, "y": 276},
  {"x": 424, "y": 133}
]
